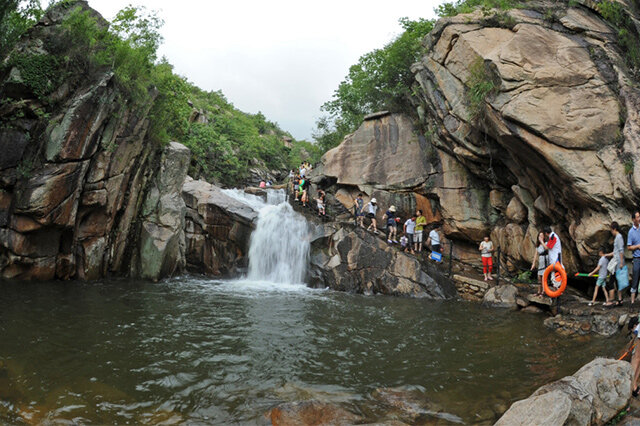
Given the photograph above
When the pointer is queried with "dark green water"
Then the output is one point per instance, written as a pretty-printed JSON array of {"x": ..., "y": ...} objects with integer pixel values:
[{"x": 200, "y": 351}]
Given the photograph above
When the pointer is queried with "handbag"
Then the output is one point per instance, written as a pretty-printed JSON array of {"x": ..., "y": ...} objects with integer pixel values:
[
  {"x": 613, "y": 265},
  {"x": 622, "y": 276}
]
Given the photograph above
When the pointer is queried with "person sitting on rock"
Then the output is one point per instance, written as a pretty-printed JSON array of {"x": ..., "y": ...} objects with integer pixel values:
[
  {"x": 486, "y": 250},
  {"x": 602, "y": 272},
  {"x": 404, "y": 243},
  {"x": 359, "y": 207},
  {"x": 392, "y": 226},
  {"x": 372, "y": 208},
  {"x": 421, "y": 221}
]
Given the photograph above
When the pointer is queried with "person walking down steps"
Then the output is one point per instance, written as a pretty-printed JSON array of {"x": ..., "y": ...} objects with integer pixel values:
[{"x": 372, "y": 208}]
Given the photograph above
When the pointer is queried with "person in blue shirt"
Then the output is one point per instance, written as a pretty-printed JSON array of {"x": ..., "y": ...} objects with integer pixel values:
[{"x": 633, "y": 244}]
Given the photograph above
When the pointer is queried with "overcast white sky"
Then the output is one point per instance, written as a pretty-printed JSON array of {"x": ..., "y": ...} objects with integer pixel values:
[{"x": 282, "y": 57}]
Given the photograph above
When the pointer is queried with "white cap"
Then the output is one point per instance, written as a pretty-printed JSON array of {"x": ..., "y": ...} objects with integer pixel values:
[{"x": 373, "y": 200}]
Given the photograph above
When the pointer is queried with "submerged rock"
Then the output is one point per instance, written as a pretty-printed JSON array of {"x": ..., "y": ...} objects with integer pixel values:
[{"x": 310, "y": 413}]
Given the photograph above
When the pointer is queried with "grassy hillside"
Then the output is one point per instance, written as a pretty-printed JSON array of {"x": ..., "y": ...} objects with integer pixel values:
[{"x": 226, "y": 143}]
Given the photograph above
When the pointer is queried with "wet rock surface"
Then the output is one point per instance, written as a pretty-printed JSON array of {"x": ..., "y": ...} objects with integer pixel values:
[
  {"x": 348, "y": 258},
  {"x": 310, "y": 413},
  {"x": 595, "y": 394},
  {"x": 217, "y": 229}
]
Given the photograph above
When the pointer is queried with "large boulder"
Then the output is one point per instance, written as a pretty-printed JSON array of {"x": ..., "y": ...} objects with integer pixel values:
[
  {"x": 217, "y": 229},
  {"x": 357, "y": 261},
  {"x": 594, "y": 395},
  {"x": 501, "y": 296}
]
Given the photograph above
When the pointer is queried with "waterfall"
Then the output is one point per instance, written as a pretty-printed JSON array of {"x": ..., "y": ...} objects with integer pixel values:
[{"x": 279, "y": 247}]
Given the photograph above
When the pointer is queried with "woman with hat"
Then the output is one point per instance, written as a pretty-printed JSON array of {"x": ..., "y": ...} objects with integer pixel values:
[
  {"x": 392, "y": 226},
  {"x": 371, "y": 208}
]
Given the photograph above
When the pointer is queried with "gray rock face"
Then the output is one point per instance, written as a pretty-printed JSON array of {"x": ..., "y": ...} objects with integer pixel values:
[
  {"x": 592, "y": 396},
  {"x": 162, "y": 240},
  {"x": 76, "y": 170},
  {"x": 217, "y": 229},
  {"x": 502, "y": 296},
  {"x": 354, "y": 260}
]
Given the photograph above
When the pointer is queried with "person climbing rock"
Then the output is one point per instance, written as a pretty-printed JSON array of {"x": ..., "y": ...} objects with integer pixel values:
[
  {"x": 359, "y": 206},
  {"x": 372, "y": 208},
  {"x": 392, "y": 226},
  {"x": 486, "y": 250},
  {"x": 409, "y": 228},
  {"x": 321, "y": 202}
]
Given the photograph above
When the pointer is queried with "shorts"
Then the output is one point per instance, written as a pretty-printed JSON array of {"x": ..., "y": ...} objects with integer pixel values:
[
  {"x": 359, "y": 214},
  {"x": 417, "y": 237},
  {"x": 436, "y": 248},
  {"x": 612, "y": 283},
  {"x": 391, "y": 225},
  {"x": 601, "y": 281},
  {"x": 371, "y": 215}
]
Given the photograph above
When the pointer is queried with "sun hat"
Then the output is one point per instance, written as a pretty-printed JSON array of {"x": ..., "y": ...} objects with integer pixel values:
[
  {"x": 392, "y": 209},
  {"x": 373, "y": 200}
]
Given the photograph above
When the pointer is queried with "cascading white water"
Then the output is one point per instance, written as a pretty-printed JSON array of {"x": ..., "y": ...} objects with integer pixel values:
[{"x": 279, "y": 248}]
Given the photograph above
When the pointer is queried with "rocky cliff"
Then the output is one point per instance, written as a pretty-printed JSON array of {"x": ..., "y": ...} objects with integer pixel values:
[
  {"x": 527, "y": 117},
  {"x": 83, "y": 193}
]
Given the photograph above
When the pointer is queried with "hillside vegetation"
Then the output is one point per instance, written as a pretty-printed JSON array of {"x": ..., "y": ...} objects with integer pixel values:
[{"x": 226, "y": 143}]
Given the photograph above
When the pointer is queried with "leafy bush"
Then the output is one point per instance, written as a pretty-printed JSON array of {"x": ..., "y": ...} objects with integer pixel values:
[
  {"x": 39, "y": 72},
  {"x": 16, "y": 17},
  {"x": 480, "y": 87},
  {"x": 628, "y": 36},
  {"x": 468, "y": 6}
]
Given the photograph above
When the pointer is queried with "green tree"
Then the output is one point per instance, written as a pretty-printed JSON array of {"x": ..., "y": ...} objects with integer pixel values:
[
  {"x": 381, "y": 80},
  {"x": 16, "y": 17}
]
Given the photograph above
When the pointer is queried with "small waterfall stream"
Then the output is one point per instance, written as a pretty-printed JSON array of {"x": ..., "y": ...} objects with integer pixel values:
[{"x": 279, "y": 248}]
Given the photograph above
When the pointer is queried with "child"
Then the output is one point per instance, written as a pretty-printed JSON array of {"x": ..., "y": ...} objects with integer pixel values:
[
  {"x": 320, "y": 200},
  {"x": 601, "y": 269},
  {"x": 486, "y": 248},
  {"x": 404, "y": 242}
]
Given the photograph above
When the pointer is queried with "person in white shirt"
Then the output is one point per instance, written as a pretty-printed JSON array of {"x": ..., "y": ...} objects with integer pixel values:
[
  {"x": 486, "y": 248},
  {"x": 409, "y": 228},
  {"x": 434, "y": 239},
  {"x": 371, "y": 210}
]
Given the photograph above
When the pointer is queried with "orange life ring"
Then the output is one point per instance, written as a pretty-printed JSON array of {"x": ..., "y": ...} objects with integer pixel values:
[{"x": 559, "y": 270}]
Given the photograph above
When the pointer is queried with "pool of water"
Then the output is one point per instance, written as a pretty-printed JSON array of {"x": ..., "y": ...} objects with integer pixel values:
[{"x": 195, "y": 350}]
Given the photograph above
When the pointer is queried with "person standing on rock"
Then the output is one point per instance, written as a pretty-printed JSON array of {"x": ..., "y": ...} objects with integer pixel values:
[
  {"x": 392, "y": 226},
  {"x": 633, "y": 243},
  {"x": 359, "y": 206},
  {"x": 542, "y": 258},
  {"x": 321, "y": 202},
  {"x": 409, "y": 228},
  {"x": 434, "y": 239},
  {"x": 371, "y": 209},
  {"x": 486, "y": 250},
  {"x": 421, "y": 221},
  {"x": 616, "y": 263},
  {"x": 304, "y": 185},
  {"x": 602, "y": 272}
]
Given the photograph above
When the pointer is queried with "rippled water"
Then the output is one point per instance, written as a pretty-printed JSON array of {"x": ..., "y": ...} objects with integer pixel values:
[{"x": 200, "y": 351}]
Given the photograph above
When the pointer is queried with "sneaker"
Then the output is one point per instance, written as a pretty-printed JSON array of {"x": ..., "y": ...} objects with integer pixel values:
[
  {"x": 389, "y": 241},
  {"x": 376, "y": 232},
  {"x": 395, "y": 241}
]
